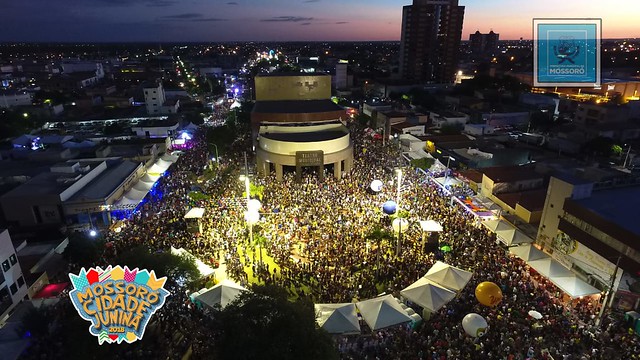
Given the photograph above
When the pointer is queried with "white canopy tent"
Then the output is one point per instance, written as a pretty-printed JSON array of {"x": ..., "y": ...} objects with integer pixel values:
[
  {"x": 550, "y": 268},
  {"x": 204, "y": 269},
  {"x": 527, "y": 252},
  {"x": 574, "y": 286},
  {"x": 195, "y": 213},
  {"x": 428, "y": 294},
  {"x": 553, "y": 270},
  {"x": 382, "y": 312},
  {"x": 338, "y": 318},
  {"x": 221, "y": 294},
  {"x": 513, "y": 236},
  {"x": 497, "y": 225},
  {"x": 430, "y": 226},
  {"x": 448, "y": 276}
]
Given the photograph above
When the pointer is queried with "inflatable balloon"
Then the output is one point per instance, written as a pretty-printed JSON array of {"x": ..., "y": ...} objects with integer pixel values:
[
  {"x": 251, "y": 217},
  {"x": 488, "y": 293},
  {"x": 474, "y": 325},
  {"x": 389, "y": 207},
  {"x": 376, "y": 185},
  {"x": 400, "y": 225},
  {"x": 254, "y": 205}
]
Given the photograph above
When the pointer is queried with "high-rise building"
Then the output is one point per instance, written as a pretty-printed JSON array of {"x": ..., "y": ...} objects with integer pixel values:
[
  {"x": 430, "y": 40},
  {"x": 483, "y": 44}
]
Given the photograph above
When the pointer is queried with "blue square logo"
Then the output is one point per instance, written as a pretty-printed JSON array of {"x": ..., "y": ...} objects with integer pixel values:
[{"x": 566, "y": 52}]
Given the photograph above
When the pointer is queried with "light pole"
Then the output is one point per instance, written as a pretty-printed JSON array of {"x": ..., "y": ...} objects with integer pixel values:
[
  {"x": 609, "y": 295},
  {"x": 399, "y": 172},
  {"x": 446, "y": 173}
]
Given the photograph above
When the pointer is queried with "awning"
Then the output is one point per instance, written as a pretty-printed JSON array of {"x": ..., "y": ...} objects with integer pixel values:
[
  {"x": 195, "y": 213},
  {"x": 513, "y": 236},
  {"x": 430, "y": 226},
  {"x": 497, "y": 225},
  {"x": 204, "y": 269},
  {"x": 574, "y": 286},
  {"x": 527, "y": 252},
  {"x": 553, "y": 270}
]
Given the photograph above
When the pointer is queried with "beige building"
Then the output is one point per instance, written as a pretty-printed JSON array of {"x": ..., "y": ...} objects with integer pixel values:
[{"x": 296, "y": 125}]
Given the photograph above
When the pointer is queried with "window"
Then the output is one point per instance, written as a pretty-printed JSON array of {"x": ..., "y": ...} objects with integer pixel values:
[
  {"x": 6, "y": 266},
  {"x": 13, "y": 259},
  {"x": 13, "y": 288},
  {"x": 20, "y": 281}
]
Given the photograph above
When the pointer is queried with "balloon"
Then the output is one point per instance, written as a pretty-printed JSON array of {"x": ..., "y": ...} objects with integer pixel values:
[
  {"x": 254, "y": 205},
  {"x": 389, "y": 207},
  {"x": 251, "y": 217},
  {"x": 488, "y": 293},
  {"x": 400, "y": 225},
  {"x": 376, "y": 185},
  {"x": 474, "y": 325}
]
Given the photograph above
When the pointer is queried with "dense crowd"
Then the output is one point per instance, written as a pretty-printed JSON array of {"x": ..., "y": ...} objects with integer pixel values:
[{"x": 320, "y": 244}]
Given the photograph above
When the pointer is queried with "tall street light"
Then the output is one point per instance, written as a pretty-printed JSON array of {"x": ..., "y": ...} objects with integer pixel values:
[
  {"x": 399, "y": 172},
  {"x": 446, "y": 173}
]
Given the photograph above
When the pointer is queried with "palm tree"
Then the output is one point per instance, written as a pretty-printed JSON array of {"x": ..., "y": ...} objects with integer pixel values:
[{"x": 378, "y": 234}]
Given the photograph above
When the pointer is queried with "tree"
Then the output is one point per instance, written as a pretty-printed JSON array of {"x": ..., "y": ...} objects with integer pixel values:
[
  {"x": 163, "y": 263},
  {"x": 83, "y": 250},
  {"x": 540, "y": 120},
  {"x": 423, "y": 163},
  {"x": 600, "y": 146},
  {"x": 363, "y": 120},
  {"x": 263, "y": 324}
]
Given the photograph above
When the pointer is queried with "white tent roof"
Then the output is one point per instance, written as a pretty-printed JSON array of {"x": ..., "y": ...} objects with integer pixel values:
[
  {"x": 448, "y": 276},
  {"x": 528, "y": 252},
  {"x": 430, "y": 225},
  {"x": 574, "y": 286},
  {"x": 497, "y": 225},
  {"x": 338, "y": 318},
  {"x": 156, "y": 169},
  {"x": 221, "y": 294},
  {"x": 513, "y": 236},
  {"x": 204, "y": 269},
  {"x": 382, "y": 312},
  {"x": 428, "y": 294},
  {"x": 195, "y": 213},
  {"x": 550, "y": 268}
]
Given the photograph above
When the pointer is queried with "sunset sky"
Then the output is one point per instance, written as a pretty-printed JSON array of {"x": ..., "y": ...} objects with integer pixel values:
[{"x": 281, "y": 20}]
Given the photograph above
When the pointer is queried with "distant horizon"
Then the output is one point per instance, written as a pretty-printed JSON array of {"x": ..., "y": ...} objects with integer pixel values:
[{"x": 201, "y": 21}]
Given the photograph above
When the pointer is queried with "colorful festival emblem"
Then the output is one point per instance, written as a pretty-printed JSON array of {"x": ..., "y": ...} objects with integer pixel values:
[{"x": 117, "y": 301}]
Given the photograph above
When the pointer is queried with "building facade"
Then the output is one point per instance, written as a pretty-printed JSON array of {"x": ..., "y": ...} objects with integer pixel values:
[
  {"x": 13, "y": 288},
  {"x": 594, "y": 231},
  {"x": 430, "y": 40},
  {"x": 296, "y": 125},
  {"x": 483, "y": 44}
]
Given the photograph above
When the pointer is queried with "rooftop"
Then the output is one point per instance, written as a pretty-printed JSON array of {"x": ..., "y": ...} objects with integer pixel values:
[
  {"x": 531, "y": 200},
  {"x": 103, "y": 185},
  {"x": 616, "y": 205},
  {"x": 296, "y": 106},
  {"x": 510, "y": 173},
  {"x": 276, "y": 74}
]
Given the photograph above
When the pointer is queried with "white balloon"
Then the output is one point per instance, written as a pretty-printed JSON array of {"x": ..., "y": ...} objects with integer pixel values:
[
  {"x": 251, "y": 217},
  {"x": 376, "y": 185},
  {"x": 474, "y": 325},
  {"x": 254, "y": 205},
  {"x": 400, "y": 225}
]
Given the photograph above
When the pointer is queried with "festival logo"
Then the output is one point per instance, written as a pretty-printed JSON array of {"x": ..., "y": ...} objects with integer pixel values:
[
  {"x": 117, "y": 301},
  {"x": 566, "y": 52}
]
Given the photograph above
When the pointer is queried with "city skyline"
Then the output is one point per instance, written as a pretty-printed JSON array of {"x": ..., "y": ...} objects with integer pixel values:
[{"x": 278, "y": 20}]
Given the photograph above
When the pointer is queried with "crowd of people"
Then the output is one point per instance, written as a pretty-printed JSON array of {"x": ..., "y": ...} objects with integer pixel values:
[{"x": 322, "y": 241}]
